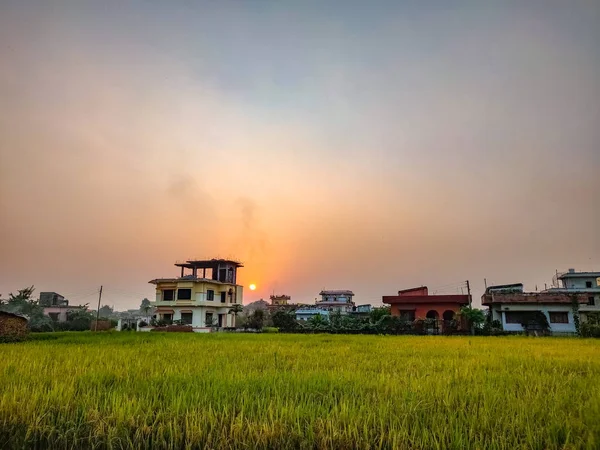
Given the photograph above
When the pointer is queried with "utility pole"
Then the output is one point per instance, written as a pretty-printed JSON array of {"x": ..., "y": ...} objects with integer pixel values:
[
  {"x": 485, "y": 282},
  {"x": 469, "y": 292},
  {"x": 98, "y": 310}
]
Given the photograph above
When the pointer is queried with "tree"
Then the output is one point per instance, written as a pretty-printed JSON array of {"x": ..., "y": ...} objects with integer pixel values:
[
  {"x": 145, "y": 306},
  {"x": 236, "y": 309},
  {"x": 378, "y": 313},
  {"x": 256, "y": 320},
  {"x": 79, "y": 319},
  {"x": 106, "y": 312},
  {"x": 284, "y": 320},
  {"x": 474, "y": 317},
  {"x": 317, "y": 322}
]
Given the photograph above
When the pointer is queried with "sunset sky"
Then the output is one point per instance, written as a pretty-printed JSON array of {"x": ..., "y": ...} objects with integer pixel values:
[{"x": 371, "y": 146}]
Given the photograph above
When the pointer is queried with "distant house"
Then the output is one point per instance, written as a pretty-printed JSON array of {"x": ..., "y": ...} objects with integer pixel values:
[
  {"x": 12, "y": 326},
  {"x": 513, "y": 307},
  {"x": 305, "y": 314},
  {"x": 362, "y": 309},
  {"x": 416, "y": 303},
  {"x": 281, "y": 302},
  {"x": 584, "y": 283},
  {"x": 55, "y": 306},
  {"x": 336, "y": 301}
]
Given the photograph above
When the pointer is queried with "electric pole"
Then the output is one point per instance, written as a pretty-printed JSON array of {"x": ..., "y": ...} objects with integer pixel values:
[
  {"x": 98, "y": 310},
  {"x": 469, "y": 292}
]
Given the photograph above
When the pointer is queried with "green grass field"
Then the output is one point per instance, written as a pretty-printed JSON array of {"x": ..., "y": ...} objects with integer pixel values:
[{"x": 171, "y": 390}]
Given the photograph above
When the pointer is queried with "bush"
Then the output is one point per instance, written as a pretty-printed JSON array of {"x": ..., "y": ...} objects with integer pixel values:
[
  {"x": 590, "y": 329},
  {"x": 175, "y": 328},
  {"x": 270, "y": 330}
]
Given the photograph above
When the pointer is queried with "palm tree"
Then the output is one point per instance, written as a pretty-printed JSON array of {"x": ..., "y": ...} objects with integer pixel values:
[{"x": 235, "y": 310}]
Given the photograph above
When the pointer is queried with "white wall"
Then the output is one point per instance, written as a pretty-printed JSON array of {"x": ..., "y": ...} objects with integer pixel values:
[
  {"x": 554, "y": 327},
  {"x": 579, "y": 283}
]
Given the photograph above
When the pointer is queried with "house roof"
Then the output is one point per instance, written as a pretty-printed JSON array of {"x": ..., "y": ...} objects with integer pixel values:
[
  {"x": 415, "y": 289},
  {"x": 175, "y": 280},
  {"x": 579, "y": 275},
  {"x": 20, "y": 316},
  {"x": 494, "y": 298},
  {"x": 336, "y": 292},
  {"x": 207, "y": 263},
  {"x": 501, "y": 287},
  {"x": 424, "y": 299}
]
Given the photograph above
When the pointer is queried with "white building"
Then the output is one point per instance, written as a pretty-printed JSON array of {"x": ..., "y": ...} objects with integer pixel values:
[
  {"x": 202, "y": 296},
  {"x": 513, "y": 307},
  {"x": 305, "y": 314},
  {"x": 336, "y": 301},
  {"x": 584, "y": 283}
]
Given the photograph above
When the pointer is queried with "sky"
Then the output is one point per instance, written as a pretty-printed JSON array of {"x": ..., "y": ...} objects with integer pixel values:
[{"x": 371, "y": 146}]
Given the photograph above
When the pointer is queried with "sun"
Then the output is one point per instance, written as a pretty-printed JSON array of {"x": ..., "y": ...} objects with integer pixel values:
[{"x": 252, "y": 287}]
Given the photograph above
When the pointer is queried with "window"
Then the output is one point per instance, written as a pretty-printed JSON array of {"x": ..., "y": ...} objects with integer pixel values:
[
  {"x": 168, "y": 295},
  {"x": 588, "y": 284},
  {"x": 167, "y": 317},
  {"x": 184, "y": 294},
  {"x": 516, "y": 316},
  {"x": 208, "y": 321},
  {"x": 187, "y": 318},
  {"x": 222, "y": 275},
  {"x": 558, "y": 317},
  {"x": 53, "y": 316},
  {"x": 210, "y": 295},
  {"x": 223, "y": 297},
  {"x": 591, "y": 301}
]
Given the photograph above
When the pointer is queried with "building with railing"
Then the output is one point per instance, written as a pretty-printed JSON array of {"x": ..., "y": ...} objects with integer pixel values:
[
  {"x": 336, "y": 301},
  {"x": 55, "y": 306},
  {"x": 202, "y": 296},
  {"x": 583, "y": 283},
  {"x": 515, "y": 308}
]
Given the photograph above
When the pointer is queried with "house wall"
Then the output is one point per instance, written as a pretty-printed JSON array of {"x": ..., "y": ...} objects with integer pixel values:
[
  {"x": 421, "y": 310},
  {"x": 62, "y": 312},
  {"x": 499, "y": 310},
  {"x": 199, "y": 293},
  {"x": 199, "y": 315},
  {"x": 580, "y": 282}
]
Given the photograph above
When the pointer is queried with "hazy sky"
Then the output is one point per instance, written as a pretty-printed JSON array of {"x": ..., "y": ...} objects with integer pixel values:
[{"x": 371, "y": 146}]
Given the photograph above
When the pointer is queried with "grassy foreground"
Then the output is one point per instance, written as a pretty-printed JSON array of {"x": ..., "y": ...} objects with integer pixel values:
[{"x": 146, "y": 390}]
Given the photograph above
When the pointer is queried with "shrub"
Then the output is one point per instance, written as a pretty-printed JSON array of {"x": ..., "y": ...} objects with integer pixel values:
[
  {"x": 175, "y": 328},
  {"x": 270, "y": 330},
  {"x": 589, "y": 329}
]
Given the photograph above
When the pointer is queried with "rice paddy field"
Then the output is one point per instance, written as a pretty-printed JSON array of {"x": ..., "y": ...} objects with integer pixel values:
[{"x": 273, "y": 391}]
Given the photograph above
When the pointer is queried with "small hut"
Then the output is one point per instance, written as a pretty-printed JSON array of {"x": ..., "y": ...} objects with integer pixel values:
[{"x": 13, "y": 327}]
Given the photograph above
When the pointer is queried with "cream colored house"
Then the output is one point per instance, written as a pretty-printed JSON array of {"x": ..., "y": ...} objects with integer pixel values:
[{"x": 201, "y": 296}]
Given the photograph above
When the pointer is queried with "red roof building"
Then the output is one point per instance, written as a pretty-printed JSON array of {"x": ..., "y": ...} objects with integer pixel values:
[{"x": 416, "y": 303}]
